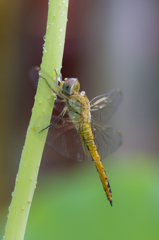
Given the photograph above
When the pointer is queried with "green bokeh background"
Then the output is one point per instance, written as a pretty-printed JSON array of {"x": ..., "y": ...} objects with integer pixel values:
[{"x": 73, "y": 205}]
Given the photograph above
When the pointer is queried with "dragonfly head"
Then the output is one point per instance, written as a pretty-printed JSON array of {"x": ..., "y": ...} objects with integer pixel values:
[{"x": 69, "y": 86}]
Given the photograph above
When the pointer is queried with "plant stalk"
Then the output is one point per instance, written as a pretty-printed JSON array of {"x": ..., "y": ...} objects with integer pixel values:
[{"x": 26, "y": 178}]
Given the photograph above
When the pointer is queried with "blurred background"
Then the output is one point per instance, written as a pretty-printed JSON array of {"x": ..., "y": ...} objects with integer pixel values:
[{"x": 109, "y": 44}]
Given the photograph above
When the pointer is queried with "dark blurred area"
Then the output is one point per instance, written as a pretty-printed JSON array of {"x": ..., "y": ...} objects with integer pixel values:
[{"x": 109, "y": 44}]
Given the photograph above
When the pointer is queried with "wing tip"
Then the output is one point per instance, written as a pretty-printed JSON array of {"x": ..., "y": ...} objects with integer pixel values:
[{"x": 118, "y": 90}]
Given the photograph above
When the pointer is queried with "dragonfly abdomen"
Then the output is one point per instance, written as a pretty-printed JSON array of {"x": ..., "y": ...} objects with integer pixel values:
[
  {"x": 104, "y": 180},
  {"x": 89, "y": 141}
]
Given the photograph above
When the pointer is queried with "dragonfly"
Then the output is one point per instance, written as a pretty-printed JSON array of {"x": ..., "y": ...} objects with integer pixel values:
[{"x": 84, "y": 135}]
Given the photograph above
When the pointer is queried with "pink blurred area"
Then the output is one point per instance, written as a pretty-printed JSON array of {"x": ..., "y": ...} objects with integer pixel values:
[{"x": 109, "y": 44}]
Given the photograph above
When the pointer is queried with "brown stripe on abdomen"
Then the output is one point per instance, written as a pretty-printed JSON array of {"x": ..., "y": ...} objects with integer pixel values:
[{"x": 104, "y": 180}]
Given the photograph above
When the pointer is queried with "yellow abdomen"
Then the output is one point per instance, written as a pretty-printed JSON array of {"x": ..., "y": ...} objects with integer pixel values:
[{"x": 88, "y": 139}]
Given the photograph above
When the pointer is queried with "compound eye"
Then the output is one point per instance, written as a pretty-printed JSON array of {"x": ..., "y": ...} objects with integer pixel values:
[
  {"x": 70, "y": 81},
  {"x": 70, "y": 85},
  {"x": 76, "y": 86}
]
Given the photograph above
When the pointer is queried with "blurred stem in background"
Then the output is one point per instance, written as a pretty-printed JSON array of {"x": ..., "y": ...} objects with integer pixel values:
[
  {"x": 9, "y": 49},
  {"x": 31, "y": 156}
]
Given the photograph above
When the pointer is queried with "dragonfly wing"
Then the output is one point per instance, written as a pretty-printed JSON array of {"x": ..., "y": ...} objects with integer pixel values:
[
  {"x": 107, "y": 139},
  {"x": 36, "y": 72},
  {"x": 104, "y": 106},
  {"x": 65, "y": 139},
  {"x": 34, "y": 76}
]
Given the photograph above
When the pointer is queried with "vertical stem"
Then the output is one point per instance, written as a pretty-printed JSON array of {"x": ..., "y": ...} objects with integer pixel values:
[{"x": 34, "y": 144}]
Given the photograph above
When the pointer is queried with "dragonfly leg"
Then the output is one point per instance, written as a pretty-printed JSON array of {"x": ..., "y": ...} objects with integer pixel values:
[
  {"x": 49, "y": 85},
  {"x": 57, "y": 93},
  {"x": 58, "y": 119},
  {"x": 60, "y": 100}
]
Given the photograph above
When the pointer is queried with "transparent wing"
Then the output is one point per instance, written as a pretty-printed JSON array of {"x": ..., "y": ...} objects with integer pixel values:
[
  {"x": 104, "y": 106},
  {"x": 65, "y": 139},
  {"x": 35, "y": 72},
  {"x": 34, "y": 76},
  {"x": 107, "y": 139}
]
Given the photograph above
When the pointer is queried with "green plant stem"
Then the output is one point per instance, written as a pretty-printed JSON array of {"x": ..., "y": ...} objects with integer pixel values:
[{"x": 34, "y": 144}]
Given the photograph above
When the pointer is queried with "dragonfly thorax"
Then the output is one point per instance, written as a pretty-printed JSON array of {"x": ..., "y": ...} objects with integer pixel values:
[
  {"x": 74, "y": 105},
  {"x": 79, "y": 107}
]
